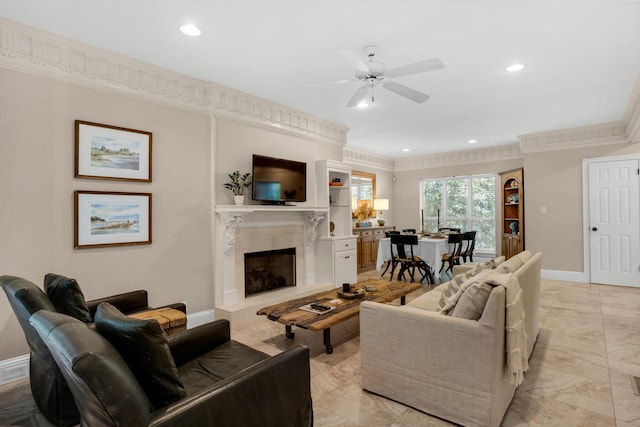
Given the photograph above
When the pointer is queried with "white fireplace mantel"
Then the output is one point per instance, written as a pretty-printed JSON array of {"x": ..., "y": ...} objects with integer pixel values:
[
  {"x": 232, "y": 216},
  {"x": 262, "y": 227}
]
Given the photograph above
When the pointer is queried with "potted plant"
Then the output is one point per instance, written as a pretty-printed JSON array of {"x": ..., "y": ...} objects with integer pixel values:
[{"x": 237, "y": 184}]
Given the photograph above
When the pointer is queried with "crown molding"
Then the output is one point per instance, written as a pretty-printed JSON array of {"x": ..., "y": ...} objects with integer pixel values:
[
  {"x": 601, "y": 134},
  {"x": 366, "y": 159},
  {"x": 32, "y": 51},
  {"x": 481, "y": 155}
]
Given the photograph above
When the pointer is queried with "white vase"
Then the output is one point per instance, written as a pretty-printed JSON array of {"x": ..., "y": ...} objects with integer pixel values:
[{"x": 239, "y": 199}]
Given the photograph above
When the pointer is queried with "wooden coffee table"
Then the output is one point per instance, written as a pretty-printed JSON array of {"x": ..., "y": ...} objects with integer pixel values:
[{"x": 289, "y": 313}]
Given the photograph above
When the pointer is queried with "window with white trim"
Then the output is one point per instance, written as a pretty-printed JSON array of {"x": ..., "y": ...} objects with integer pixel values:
[{"x": 467, "y": 202}]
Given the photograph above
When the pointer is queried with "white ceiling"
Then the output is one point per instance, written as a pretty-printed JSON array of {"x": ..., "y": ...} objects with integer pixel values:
[{"x": 582, "y": 59}]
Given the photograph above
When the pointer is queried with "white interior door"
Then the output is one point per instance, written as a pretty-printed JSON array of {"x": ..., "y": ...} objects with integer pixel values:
[{"x": 614, "y": 222}]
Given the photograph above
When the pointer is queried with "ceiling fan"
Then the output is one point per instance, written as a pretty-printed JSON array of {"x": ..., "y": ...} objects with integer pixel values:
[{"x": 373, "y": 73}]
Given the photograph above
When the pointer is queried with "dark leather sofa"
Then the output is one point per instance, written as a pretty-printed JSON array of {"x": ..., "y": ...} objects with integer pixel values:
[
  {"x": 48, "y": 386},
  {"x": 226, "y": 382}
]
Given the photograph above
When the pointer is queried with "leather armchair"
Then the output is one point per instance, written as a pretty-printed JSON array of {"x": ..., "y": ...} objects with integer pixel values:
[
  {"x": 226, "y": 382},
  {"x": 48, "y": 386}
]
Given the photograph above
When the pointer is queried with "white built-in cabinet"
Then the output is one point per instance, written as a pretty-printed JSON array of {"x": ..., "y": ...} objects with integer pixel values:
[{"x": 335, "y": 245}]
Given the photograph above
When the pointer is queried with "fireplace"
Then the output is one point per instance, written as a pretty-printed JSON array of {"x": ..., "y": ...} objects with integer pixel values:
[
  {"x": 262, "y": 228},
  {"x": 269, "y": 270}
]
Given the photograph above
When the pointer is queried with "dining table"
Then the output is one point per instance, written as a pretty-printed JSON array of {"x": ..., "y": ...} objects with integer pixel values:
[{"x": 430, "y": 249}]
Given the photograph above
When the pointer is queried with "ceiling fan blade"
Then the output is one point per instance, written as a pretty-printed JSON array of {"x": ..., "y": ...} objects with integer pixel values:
[
  {"x": 405, "y": 91},
  {"x": 354, "y": 60},
  {"x": 329, "y": 82},
  {"x": 358, "y": 96},
  {"x": 415, "y": 68}
]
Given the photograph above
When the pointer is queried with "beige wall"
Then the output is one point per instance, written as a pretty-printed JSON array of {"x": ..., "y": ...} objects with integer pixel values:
[
  {"x": 236, "y": 142},
  {"x": 37, "y": 184},
  {"x": 36, "y": 197},
  {"x": 553, "y": 179},
  {"x": 406, "y": 190}
]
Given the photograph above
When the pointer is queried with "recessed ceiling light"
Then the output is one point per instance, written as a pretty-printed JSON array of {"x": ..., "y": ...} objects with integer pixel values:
[
  {"x": 362, "y": 104},
  {"x": 515, "y": 67},
  {"x": 406, "y": 149},
  {"x": 472, "y": 141},
  {"x": 190, "y": 30}
]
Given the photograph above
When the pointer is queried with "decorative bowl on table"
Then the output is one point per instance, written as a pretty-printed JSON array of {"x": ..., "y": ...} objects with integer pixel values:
[{"x": 357, "y": 293}]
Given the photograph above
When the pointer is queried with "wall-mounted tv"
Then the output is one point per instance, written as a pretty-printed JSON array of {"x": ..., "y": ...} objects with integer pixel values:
[{"x": 278, "y": 181}]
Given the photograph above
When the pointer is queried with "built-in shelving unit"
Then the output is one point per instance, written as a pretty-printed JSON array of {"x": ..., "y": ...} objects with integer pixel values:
[
  {"x": 512, "y": 223},
  {"x": 336, "y": 244}
]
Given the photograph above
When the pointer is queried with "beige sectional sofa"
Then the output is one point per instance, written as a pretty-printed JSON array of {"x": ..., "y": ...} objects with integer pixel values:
[{"x": 450, "y": 367}]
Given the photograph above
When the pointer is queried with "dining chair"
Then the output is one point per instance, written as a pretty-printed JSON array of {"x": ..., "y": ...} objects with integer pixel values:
[
  {"x": 470, "y": 238},
  {"x": 409, "y": 230},
  {"x": 388, "y": 234},
  {"x": 408, "y": 262},
  {"x": 452, "y": 258}
]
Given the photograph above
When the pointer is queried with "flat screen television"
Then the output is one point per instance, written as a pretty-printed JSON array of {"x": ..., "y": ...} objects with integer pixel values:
[{"x": 278, "y": 181}]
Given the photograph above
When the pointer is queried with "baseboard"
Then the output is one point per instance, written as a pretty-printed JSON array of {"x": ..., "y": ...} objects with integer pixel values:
[
  {"x": 14, "y": 369},
  {"x": 200, "y": 318},
  {"x": 569, "y": 276}
]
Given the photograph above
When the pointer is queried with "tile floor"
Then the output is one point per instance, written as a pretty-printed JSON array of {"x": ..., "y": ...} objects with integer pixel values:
[{"x": 580, "y": 371}]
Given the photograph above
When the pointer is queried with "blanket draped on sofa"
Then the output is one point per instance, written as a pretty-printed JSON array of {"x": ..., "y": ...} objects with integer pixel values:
[{"x": 516, "y": 334}]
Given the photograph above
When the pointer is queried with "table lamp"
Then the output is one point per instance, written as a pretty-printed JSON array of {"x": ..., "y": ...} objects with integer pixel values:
[{"x": 380, "y": 205}]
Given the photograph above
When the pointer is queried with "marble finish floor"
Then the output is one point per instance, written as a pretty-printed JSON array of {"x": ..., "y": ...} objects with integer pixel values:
[{"x": 580, "y": 371}]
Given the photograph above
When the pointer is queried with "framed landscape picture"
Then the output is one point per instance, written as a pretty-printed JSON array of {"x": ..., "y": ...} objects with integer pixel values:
[
  {"x": 111, "y": 219},
  {"x": 111, "y": 152}
]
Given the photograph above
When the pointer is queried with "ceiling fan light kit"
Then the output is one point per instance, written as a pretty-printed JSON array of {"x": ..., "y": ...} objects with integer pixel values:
[{"x": 373, "y": 73}]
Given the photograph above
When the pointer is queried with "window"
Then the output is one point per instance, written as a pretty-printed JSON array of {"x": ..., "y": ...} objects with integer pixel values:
[{"x": 468, "y": 203}]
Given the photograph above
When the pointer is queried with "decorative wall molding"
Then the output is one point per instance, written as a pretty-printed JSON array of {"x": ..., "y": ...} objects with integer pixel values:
[
  {"x": 363, "y": 158},
  {"x": 232, "y": 216},
  {"x": 40, "y": 53},
  {"x": 43, "y": 54},
  {"x": 489, "y": 154},
  {"x": 585, "y": 136},
  {"x": 311, "y": 221}
]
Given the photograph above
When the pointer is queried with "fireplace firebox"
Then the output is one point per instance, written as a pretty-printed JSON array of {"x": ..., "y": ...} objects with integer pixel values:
[{"x": 269, "y": 270}]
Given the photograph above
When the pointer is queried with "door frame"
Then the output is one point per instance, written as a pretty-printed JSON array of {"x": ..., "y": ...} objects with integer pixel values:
[{"x": 586, "y": 240}]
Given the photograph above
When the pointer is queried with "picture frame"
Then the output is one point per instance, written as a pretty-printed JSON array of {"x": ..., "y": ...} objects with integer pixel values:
[
  {"x": 112, "y": 152},
  {"x": 103, "y": 219}
]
